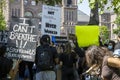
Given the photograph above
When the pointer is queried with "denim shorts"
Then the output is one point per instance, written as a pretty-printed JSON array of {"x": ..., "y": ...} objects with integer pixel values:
[{"x": 46, "y": 75}]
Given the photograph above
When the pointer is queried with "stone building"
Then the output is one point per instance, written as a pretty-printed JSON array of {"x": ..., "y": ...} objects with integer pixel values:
[
  {"x": 29, "y": 8},
  {"x": 69, "y": 15},
  {"x": 107, "y": 19}
]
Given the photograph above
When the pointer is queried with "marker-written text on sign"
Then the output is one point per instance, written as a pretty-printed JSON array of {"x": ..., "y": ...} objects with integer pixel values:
[{"x": 24, "y": 37}]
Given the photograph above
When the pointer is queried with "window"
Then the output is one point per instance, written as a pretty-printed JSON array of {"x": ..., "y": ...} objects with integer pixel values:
[
  {"x": 28, "y": 14},
  {"x": 25, "y": 2},
  {"x": 12, "y": 12},
  {"x": 33, "y": 3},
  {"x": 69, "y": 2},
  {"x": 18, "y": 12},
  {"x": 40, "y": 14}
]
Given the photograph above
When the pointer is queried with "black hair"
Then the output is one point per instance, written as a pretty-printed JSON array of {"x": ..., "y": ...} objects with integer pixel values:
[{"x": 46, "y": 39}]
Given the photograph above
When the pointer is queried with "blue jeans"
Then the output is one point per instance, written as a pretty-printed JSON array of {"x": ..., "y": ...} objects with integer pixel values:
[{"x": 46, "y": 75}]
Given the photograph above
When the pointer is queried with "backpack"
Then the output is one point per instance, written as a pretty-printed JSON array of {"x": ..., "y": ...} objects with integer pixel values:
[{"x": 45, "y": 58}]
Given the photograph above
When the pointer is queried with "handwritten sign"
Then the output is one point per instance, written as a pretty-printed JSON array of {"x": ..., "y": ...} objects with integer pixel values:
[
  {"x": 51, "y": 20},
  {"x": 22, "y": 40}
]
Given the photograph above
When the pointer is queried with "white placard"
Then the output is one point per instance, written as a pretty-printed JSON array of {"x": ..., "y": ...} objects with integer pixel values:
[{"x": 51, "y": 20}]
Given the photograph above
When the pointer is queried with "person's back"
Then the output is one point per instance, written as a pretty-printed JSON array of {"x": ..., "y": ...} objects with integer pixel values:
[
  {"x": 117, "y": 46},
  {"x": 68, "y": 63},
  {"x": 5, "y": 64},
  {"x": 45, "y": 59}
]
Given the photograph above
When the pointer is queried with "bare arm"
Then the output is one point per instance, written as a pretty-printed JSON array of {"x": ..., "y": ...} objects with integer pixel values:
[{"x": 114, "y": 62}]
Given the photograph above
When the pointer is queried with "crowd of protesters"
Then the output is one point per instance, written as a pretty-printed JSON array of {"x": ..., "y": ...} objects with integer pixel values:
[{"x": 67, "y": 61}]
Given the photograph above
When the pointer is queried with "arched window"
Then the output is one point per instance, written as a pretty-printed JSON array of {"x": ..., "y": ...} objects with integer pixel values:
[
  {"x": 40, "y": 14},
  {"x": 28, "y": 14}
]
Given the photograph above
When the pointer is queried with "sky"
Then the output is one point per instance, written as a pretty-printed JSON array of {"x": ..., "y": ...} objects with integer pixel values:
[{"x": 84, "y": 6}]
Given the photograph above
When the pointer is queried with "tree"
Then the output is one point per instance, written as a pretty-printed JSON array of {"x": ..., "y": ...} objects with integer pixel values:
[
  {"x": 50, "y": 2},
  {"x": 94, "y": 16},
  {"x": 96, "y": 5},
  {"x": 115, "y": 4},
  {"x": 100, "y": 4},
  {"x": 2, "y": 22},
  {"x": 117, "y": 21},
  {"x": 104, "y": 32},
  {"x": 2, "y": 19}
]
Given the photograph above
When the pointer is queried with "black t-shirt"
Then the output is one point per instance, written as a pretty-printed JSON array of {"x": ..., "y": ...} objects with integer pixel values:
[
  {"x": 79, "y": 51},
  {"x": 53, "y": 51},
  {"x": 68, "y": 59},
  {"x": 5, "y": 66}
]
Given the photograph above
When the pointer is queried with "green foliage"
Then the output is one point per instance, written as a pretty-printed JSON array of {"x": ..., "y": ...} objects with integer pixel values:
[
  {"x": 50, "y": 2},
  {"x": 116, "y": 31},
  {"x": 117, "y": 21},
  {"x": 104, "y": 33},
  {"x": 2, "y": 22},
  {"x": 115, "y": 4},
  {"x": 2, "y": 4},
  {"x": 2, "y": 19}
]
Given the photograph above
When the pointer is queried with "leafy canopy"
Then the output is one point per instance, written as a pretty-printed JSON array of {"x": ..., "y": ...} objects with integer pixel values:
[
  {"x": 117, "y": 21},
  {"x": 50, "y": 2},
  {"x": 115, "y": 4},
  {"x": 104, "y": 33},
  {"x": 2, "y": 19}
]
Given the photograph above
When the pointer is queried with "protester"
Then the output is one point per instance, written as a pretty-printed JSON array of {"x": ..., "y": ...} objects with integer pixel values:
[
  {"x": 5, "y": 64},
  {"x": 97, "y": 59},
  {"x": 45, "y": 59},
  {"x": 68, "y": 63},
  {"x": 25, "y": 70},
  {"x": 111, "y": 45},
  {"x": 115, "y": 60},
  {"x": 117, "y": 46},
  {"x": 81, "y": 60}
]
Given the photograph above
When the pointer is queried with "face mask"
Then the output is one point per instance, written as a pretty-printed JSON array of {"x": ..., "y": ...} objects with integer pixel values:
[{"x": 109, "y": 47}]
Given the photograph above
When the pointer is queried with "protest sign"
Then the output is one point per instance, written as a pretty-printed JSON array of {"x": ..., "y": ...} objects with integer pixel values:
[
  {"x": 51, "y": 20},
  {"x": 22, "y": 40},
  {"x": 87, "y": 35}
]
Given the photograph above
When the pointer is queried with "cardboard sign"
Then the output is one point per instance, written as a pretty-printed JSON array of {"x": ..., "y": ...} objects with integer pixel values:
[
  {"x": 22, "y": 40},
  {"x": 87, "y": 35},
  {"x": 51, "y": 20}
]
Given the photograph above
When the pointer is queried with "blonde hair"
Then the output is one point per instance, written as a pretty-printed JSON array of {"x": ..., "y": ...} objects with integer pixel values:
[{"x": 68, "y": 48}]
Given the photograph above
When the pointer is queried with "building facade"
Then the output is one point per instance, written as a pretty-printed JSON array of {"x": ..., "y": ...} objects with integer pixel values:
[
  {"x": 107, "y": 19},
  {"x": 69, "y": 15},
  {"x": 31, "y": 9}
]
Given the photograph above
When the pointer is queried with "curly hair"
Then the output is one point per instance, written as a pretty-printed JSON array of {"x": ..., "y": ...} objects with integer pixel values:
[{"x": 95, "y": 55}]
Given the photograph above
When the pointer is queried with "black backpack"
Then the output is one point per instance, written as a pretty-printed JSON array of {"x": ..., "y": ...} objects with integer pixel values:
[{"x": 45, "y": 58}]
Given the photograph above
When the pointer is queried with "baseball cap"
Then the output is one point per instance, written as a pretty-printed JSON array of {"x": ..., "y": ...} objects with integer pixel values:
[{"x": 46, "y": 38}]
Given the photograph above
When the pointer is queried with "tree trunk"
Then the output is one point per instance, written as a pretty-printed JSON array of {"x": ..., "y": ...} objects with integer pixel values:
[{"x": 94, "y": 16}]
